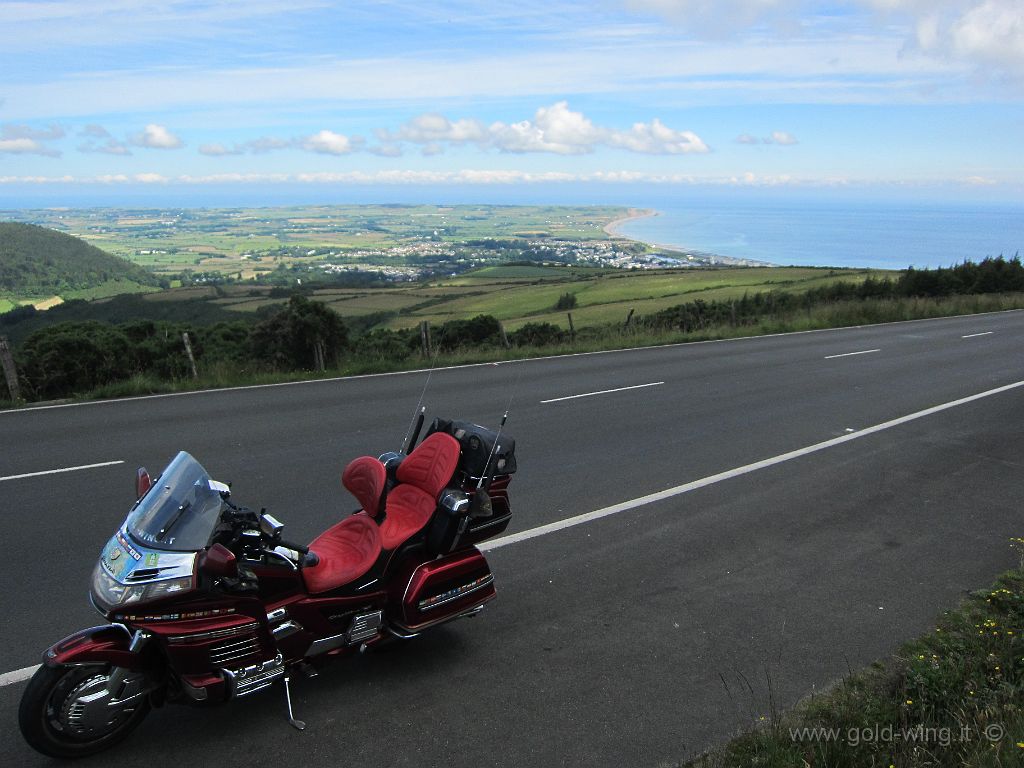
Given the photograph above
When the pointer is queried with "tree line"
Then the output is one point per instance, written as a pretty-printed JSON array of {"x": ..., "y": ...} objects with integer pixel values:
[{"x": 72, "y": 358}]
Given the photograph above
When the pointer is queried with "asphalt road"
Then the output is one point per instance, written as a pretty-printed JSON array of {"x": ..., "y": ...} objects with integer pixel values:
[{"x": 636, "y": 639}]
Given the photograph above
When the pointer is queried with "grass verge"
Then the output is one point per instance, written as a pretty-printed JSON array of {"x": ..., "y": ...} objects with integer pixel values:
[
  {"x": 587, "y": 340},
  {"x": 953, "y": 697}
]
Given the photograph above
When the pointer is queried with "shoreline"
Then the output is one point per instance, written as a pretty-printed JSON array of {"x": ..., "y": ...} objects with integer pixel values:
[
  {"x": 612, "y": 230},
  {"x": 612, "y": 227}
]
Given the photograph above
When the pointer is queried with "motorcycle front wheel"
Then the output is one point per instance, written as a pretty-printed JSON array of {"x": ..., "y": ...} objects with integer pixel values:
[{"x": 67, "y": 712}]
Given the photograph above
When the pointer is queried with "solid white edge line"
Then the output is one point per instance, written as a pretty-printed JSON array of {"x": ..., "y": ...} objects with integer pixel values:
[
  {"x": 111, "y": 401},
  {"x": 602, "y": 392},
  {"x": 851, "y": 354},
  {"x": 59, "y": 471},
  {"x": 18, "y": 675},
  {"x": 736, "y": 472},
  {"x": 972, "y": 335}
]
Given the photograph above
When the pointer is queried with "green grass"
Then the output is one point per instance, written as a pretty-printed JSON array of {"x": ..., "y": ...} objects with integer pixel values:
[
  {"x": 511, "y": 272},
  {"x": 6, "y": 305},
  {"x": 108, "y": 289},
  {"x": 607, "y": 296},
  {"x": 950, "y": 698}
]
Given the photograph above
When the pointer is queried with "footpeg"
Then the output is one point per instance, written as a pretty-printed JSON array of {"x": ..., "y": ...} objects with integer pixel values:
[{"x": 288, "y": 697}]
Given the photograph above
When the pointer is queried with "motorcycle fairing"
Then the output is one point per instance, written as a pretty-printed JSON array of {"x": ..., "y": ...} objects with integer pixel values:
[{"x": 135, "y": 564}]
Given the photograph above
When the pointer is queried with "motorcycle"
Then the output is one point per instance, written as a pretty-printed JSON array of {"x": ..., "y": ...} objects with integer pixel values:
[{"x": 206, "y": 602}]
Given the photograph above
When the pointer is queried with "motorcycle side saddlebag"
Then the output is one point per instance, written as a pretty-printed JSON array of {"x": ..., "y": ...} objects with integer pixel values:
[{"x": 446, "y": 588}]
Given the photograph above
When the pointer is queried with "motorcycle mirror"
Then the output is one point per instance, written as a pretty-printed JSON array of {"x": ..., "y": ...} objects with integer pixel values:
[
  {"x": 143, "y": 482},
  {"x": 219, "y": 561},
  {"x": 270, "y": 526}
]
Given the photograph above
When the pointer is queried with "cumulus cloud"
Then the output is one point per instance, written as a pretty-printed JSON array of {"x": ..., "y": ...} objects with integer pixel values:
[
  {"x": 432, "y": 128},
  {"x": 26, "y": 147},
  {"x": 555, "y": 129},
  {"x": 746, "y": 138},
  {"x": 16, "y": 131},
  {"x": 99, "y": 139},
  {"x": 19, "y": 139},
  {"x": 655, "y": 138},
  {"x": 328, "y": 143},
  {"x": 155, "y": 136}
]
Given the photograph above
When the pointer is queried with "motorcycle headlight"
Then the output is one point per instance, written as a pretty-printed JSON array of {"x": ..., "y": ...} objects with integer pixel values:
[{"x": 110, "y": 592}]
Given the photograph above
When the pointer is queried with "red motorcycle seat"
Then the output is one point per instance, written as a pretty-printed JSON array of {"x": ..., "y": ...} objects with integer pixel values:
[
  {"x": 432, "y": 464},
  {"x": 408, "y": 510},
  {"x": 346, "y": 551},
  {"x": 365, "y": 478},
  {"x": 423, "y": 474}
]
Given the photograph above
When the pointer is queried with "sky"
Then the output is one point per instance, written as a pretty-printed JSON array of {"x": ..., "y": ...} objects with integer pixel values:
[{"x": 131, "y": 98}]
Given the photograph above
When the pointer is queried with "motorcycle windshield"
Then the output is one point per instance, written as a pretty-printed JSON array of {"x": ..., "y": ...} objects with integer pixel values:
[{"x": 180, "y": 511}]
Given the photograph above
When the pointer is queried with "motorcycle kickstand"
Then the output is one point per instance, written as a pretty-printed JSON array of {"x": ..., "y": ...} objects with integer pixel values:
[{"x": 298, "y": 724}]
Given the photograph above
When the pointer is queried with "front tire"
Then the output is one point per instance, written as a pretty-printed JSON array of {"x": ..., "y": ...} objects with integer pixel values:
[{"x": 66, "y": 712}]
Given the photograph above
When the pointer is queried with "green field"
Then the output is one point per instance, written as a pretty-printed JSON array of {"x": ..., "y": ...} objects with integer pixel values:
[
  {"x": 517, "y": 295},
  {"x": 605, "y": 296}
]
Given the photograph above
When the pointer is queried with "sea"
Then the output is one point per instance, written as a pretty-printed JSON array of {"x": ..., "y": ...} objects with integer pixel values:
[{"x": 836, "y": 233}]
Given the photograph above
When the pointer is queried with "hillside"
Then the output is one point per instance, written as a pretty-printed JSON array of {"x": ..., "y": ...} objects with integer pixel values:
[
  {"x": 514, "y": 294},
  {"x": 36, "y": 262}
]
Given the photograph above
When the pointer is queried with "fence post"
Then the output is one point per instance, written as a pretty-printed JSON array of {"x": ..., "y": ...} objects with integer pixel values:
[
  {"x": 10, "y": 372},
  {"x": 188, "y": 351},
  {"x": 629, "y": 318},
  {"x": 504, "y": 336},
  {"x": 572, "y": 328},
  {"x": 425, "y": 337},
  {"x": 319, "y": 355}
]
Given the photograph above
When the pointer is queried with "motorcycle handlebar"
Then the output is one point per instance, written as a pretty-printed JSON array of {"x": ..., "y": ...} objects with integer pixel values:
[{"x": 290, "y": 545}]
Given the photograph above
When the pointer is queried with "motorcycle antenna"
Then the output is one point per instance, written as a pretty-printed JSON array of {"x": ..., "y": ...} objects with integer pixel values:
[
  {"x": 485, "y": 478},
  {"x": 413, "y": 432}
]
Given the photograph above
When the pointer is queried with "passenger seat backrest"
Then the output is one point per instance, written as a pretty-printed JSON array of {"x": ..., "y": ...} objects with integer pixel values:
[
  {"x": 364, "y": 478},
  {"x": 431, "y": 465}
]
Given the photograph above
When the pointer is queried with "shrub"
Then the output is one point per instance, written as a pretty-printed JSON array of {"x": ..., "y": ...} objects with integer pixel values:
[{"x": 74, "y": 357}]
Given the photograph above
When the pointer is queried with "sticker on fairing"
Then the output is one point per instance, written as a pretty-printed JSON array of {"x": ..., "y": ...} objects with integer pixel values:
[{"x": 116, "y": 560}]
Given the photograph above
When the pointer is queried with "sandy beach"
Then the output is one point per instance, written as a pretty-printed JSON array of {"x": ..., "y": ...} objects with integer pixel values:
[
  {"x": 612, "y": 230},
  {"x": 612, "y": 227}
]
